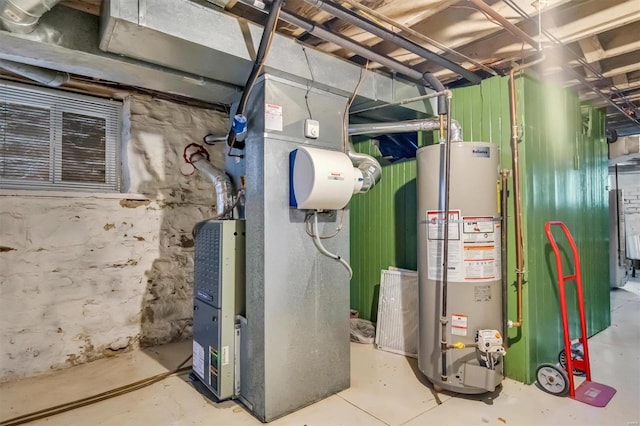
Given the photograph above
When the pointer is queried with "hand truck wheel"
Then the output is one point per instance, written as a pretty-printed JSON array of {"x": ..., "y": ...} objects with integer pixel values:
[
  {"x": 562, "y": 359},
  {"x": 552, "y": 379}
]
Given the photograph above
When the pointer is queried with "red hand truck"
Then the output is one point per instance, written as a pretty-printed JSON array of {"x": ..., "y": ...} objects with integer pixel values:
[{"x": 554, "y": 378}]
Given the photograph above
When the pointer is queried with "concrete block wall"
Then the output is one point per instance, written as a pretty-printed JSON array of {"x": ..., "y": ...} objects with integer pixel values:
[{"x": 87, "y": 275}]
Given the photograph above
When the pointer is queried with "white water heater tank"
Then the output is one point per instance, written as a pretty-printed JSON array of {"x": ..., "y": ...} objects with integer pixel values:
[{"x": 321, "y": 179}]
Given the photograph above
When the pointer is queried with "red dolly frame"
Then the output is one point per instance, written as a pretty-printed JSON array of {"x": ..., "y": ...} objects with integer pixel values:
[
  {"x": 589, "y": 392},
  {"x": 580, "y": 364}
]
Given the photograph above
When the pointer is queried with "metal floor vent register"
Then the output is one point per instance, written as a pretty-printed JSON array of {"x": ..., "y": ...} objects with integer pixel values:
[{"x": 397, "y": 326}]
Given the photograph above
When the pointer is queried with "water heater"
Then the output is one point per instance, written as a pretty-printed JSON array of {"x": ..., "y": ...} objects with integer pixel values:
[{"x": 473, "y": 358}]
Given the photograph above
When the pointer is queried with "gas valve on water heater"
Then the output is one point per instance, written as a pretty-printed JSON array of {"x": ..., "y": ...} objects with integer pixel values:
[{"x": 321, "y": 179}]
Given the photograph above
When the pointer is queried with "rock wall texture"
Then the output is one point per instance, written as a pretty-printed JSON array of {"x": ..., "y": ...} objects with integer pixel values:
[{"x": 85, "y": 275}]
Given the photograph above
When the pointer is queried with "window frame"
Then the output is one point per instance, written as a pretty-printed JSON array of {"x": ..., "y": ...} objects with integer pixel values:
[{"x": 59, "y": 102}]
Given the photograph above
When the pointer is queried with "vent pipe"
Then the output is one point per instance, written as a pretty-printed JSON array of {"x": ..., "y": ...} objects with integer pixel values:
[
  {"x": 22, "y": 16},
  {"x": 197, "y": 156},
  {"x": 41, "y": 75},
  {"x": 368, "y": 165},
  {"x": 425, "y": 125}
]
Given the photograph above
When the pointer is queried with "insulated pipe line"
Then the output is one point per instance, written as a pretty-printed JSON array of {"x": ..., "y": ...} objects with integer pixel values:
[
  {"x": 445, "y": 250},
  {"x": 44, "y": 76},
  {"x": 263, "y": 49},
  {"x": 385, "y": 34},
  {"x": 425, "y": 125},
  {"x": 362, "y": 8},
  {"x": 362, "y": 50},
  {"x": 482, "y": 6},
  {"x": 380, "y": 31}
]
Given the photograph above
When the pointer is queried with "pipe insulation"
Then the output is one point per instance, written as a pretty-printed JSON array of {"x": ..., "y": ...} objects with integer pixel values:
[
  {"x": 41, "y": 75},
  {"x": 221, "y": 182},
  {"x": 22, "y": 16},
  {"x": 421, "y": 125},
  {"x": 385, "y": 34}
]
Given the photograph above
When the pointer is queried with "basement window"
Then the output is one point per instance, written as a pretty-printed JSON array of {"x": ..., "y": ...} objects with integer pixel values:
[{"x": 52, "y": 140}]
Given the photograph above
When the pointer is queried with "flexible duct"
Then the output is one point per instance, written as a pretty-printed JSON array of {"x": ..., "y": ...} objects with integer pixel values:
[
  {"x": 425, "y": 125},
  {"x": 221, "y": 182},
  {"x": 369, "y": 166},
  {"x": 22, "y": 16},
  {"x": 41, "y": 75}
]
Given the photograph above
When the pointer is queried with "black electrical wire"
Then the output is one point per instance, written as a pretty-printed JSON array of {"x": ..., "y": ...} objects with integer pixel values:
[
  {"x": 68, "y": 406},
  {"x": 261, "y": 56}
]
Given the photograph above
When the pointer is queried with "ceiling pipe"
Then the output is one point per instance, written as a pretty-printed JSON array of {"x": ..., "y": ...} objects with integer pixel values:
[
  {"x": 41, "y": 75},
  {"x": 578, "y": 76},
  {"x": 423, "y": 125},
  {"x": 22, "y": 16},
  {"x": 317, "y": 30},
  {"x": 385, "y": 34},
  {"x": 372, "y": 12},
  {"x": 321, "y": 32},
  {"x": 482, "y": 6}
]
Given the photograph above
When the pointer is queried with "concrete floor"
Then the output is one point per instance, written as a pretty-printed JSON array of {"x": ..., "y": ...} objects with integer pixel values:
[{"x": 385, "y": 389}]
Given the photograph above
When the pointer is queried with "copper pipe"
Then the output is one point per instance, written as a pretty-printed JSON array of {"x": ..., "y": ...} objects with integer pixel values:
[
  {"x": 516, "y": 189},
  {"x": 482, "y": 6},
  {"x": 441, "y": 135}
]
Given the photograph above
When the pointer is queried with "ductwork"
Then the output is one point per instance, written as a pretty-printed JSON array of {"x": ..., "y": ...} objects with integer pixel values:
[
  {"x": 197, "y": 156},
  {"x": 41, "y": 75},
  {"x": 369, "y": 167},
  {"x": 424, "y": 125},
  {"x": 221, "y": 182},
  {"x": 22, "y": 16}
]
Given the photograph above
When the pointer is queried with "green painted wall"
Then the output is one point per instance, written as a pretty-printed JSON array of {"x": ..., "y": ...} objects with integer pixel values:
[{"x": 564, "y": 176}]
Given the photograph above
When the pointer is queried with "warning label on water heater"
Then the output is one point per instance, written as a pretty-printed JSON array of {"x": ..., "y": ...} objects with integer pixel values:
[
  {"x": 435, "y": 245},
  {"x": 459, "y": 324},
  {"x": 481, "y": 249}
]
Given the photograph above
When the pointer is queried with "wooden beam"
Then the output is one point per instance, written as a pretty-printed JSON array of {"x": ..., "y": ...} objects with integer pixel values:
[
  {"x": 592, "y": 49},
  {"x": 572, "y": 23},
  {"x": 621, "y": 64},
  {"x": 620, "y": 80},
  {"x": 89, "y": 6}
]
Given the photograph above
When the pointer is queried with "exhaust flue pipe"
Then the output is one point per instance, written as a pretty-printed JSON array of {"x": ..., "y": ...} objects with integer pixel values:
[
  {"x": 425, "y": 125},
  {"x": 41, "y": 75},
  {"x": 197, "y": 156},
  {"x": 22, "y": 16}
]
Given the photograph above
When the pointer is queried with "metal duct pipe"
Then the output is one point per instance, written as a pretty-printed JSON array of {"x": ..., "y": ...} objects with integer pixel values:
[
  {"x": 357, "y": 48},
  {"x": 364, "y": 51},
  {"x": 221, "y": 182},
  {"x": 22, "y": 16},
  {"x": 425, "y": 125},
  {"x": 380, "y": 31},
  {"x": 41, "y": 75},
  {"x": 368, "y": 165}
]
